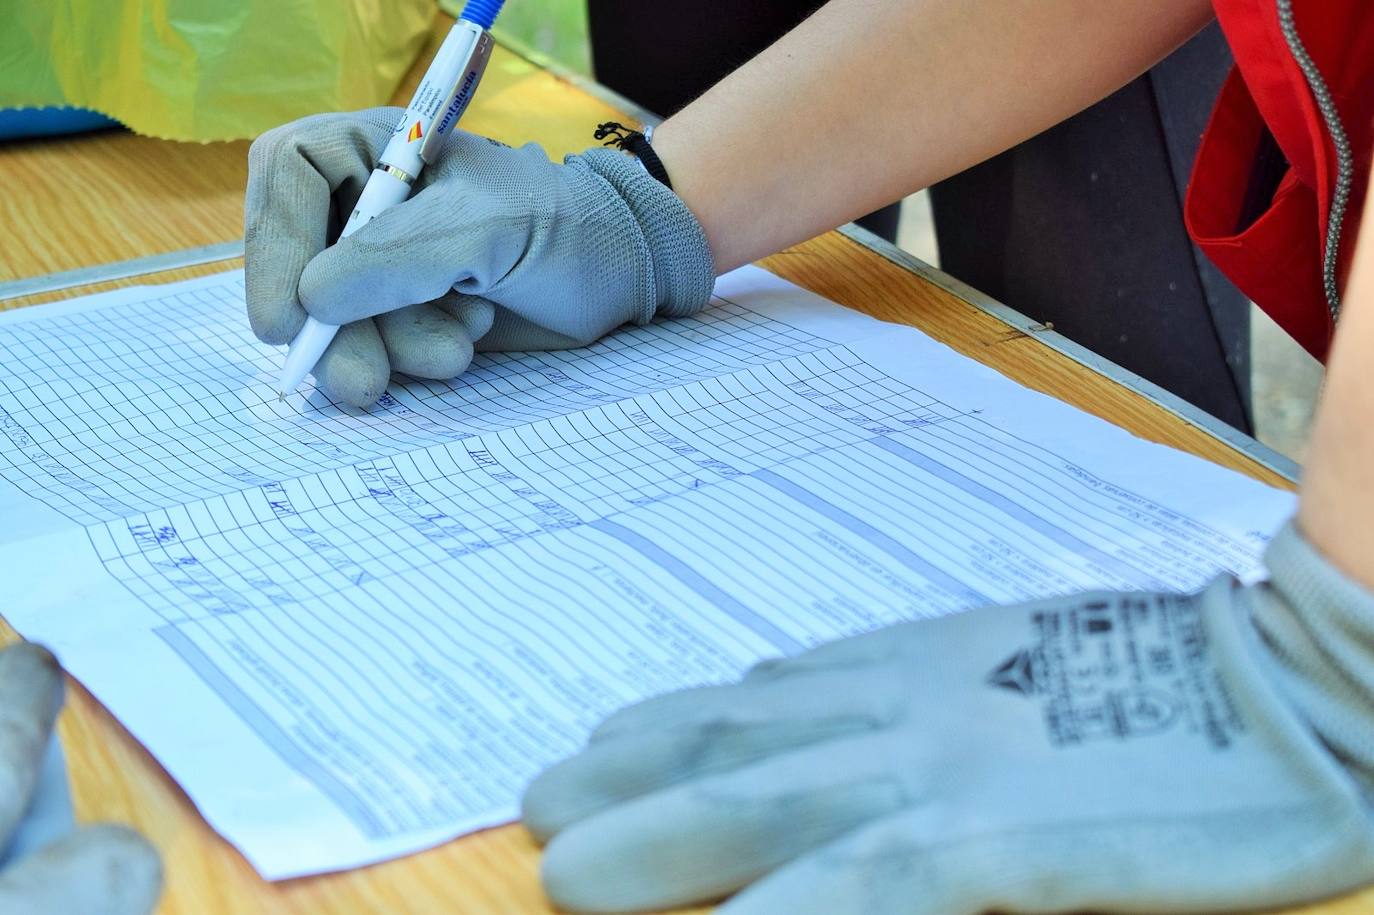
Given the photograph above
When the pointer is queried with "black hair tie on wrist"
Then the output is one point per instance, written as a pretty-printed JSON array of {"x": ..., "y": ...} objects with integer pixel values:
[{"x": 632, "y": 141}]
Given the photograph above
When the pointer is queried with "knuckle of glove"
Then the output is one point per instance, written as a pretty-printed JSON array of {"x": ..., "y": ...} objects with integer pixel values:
[
  {"x": 298, "y": 137},
  {"x": 491, "y": 167},
  {"x": 286, "y": 140}
]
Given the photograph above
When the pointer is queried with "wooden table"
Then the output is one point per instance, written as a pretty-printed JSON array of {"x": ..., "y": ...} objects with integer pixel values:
[{"x": 73, "y": 203}]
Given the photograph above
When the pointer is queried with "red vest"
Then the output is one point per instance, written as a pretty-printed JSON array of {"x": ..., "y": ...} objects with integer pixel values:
[{"x": 1275, "y": 249}]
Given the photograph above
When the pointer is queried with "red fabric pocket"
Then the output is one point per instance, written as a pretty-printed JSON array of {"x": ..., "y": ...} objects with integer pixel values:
[{"x": 1276, "y": 258}]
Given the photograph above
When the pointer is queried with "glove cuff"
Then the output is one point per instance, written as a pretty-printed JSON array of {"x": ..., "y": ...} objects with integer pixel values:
[
  {"x": 1318, "y": 626},
  {"x": 684, "y": 271}
]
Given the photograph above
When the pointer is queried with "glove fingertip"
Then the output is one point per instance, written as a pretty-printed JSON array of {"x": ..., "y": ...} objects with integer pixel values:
[
  {"x": 355, "y": 369},
  {"x": 275, "y": 323},
  {"x": 103, "y": 869},
  {"x": 360, "y": 390},
  {"x": 541, "y": 807},
  {"x": 425, "y": 342},
  {"x": 569, "y": 881},
  {"x": 132, "y": 864},
  {"x": 34, "y": 655},
  {"x": 596, "y": 866}
]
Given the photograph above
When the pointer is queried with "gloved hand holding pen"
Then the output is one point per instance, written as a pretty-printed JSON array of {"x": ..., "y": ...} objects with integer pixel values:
[{"x": 497, "y": 249}]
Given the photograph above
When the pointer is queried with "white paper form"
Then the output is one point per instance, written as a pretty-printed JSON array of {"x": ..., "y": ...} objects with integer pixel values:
[{"x": 350, "y": 634}]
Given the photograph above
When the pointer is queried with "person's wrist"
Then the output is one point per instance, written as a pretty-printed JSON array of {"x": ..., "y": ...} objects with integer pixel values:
[{"x": 682, "y": 160}]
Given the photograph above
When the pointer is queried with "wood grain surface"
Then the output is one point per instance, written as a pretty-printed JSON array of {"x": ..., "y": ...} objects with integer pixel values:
[{"x": 76, "y": 202}]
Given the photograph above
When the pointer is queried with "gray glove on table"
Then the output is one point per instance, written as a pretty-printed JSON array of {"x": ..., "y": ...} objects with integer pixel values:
[
  {"x": 1127, "y": 752},
  {"x": 497, "y": 247},
  {"x": 96, "y": 870}
]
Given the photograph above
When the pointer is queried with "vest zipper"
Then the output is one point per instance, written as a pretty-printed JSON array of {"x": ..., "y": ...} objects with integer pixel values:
[{"x": 1345, "y": 161}]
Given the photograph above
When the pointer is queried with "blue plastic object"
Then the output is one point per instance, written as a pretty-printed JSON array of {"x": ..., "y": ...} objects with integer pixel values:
[
  {"x": 19, "y": 123},
  {"x": 482, "y": 12}
]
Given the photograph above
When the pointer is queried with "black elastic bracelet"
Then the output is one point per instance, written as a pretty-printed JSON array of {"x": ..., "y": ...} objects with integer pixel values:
[{"x": 632, "y": 141}]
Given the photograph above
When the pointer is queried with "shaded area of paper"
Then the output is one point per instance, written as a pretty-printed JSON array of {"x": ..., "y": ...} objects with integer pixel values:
[{"x": 353, "y": 635}]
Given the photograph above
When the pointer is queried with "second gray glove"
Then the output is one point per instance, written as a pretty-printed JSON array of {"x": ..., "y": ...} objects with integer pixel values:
[
  {"x": 497, "y": 246},
  {"x": 1093, "y": 752}
]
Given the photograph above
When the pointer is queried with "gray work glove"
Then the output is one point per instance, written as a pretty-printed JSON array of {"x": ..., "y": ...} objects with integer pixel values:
[
  {"x": 1127, "y": 752},
  {"x": 96, "y": 870},
  {"x": 496, "y": 246}
]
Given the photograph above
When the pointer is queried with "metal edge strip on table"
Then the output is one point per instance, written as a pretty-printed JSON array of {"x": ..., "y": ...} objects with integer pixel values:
[
  {"x": 1199, "y": 419},
  {"x": 118, "y": 270}
]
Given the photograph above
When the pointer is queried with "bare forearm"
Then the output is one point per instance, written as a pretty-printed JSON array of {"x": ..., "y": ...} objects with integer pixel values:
[
  {"x": 1337, "y": 503},
  {"x": 870, "y": 100}
]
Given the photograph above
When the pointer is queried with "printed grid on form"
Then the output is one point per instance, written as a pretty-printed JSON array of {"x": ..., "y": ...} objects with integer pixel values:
[
  {"x": 419, "y": 607},
  {"x": 143, "y": 404}
]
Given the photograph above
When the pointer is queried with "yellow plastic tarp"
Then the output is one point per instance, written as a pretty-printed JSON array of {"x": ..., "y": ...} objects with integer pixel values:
[{"x": 207, "y": 69}]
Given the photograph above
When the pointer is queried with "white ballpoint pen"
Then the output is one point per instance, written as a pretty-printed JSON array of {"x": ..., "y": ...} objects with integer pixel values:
[{"x": 435, "y": 108}]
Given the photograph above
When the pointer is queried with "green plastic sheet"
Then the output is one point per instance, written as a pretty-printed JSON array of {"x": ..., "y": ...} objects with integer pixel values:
[{"x": 207, "y": 69}]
